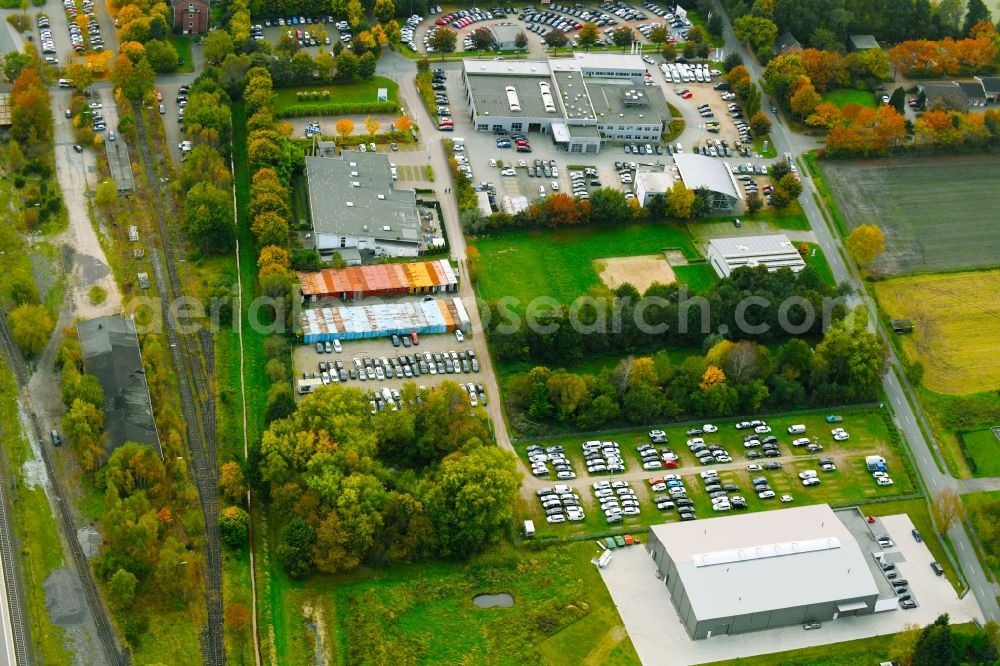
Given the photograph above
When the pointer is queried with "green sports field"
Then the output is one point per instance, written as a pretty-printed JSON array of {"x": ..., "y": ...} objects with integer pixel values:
[
  {"x": 558, "y": 264},
  {"x": 845, "y": 96}
]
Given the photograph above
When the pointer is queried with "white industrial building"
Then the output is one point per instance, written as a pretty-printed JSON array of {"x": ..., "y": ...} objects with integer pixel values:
[
  {"x": 355, "y": 206},
  {"x": 754, "y": 571},
  {"x": 648, "y": 184},
  {"x": 713, "y": 175},
  {"x": 773, "y": 251},
  {"x": 582, "y": 102}
]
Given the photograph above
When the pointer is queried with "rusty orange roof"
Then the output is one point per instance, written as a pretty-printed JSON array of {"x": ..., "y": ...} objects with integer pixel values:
[{"x": 378, "y": 278}]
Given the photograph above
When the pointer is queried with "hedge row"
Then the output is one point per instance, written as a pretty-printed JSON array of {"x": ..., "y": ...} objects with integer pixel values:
[{"x": 336, "y": 109}]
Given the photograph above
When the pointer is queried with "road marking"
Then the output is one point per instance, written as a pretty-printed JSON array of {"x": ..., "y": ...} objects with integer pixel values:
[
  {"x": 896, "y": 398},
  {"x": 961, "y": 545},
  {"x": 924, "y": 458},
  {"x": 934, "y": 482}
]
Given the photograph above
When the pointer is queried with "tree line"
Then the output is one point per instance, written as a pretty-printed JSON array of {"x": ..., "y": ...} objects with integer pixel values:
[
  {"x": 826, "y": 24},
  {"x": 143, "y": 34},
  {"x": 732, "y": 377},
  {"x": 397, "y": 486}
]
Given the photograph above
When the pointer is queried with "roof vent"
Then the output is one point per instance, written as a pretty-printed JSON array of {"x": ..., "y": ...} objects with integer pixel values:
[
  {"x": 355, "y": 183},
  {"x": 349, "y": 204},
  {"x": 381, "y": 196},
  {"x": 354, "y": 173},
  {"x": 354, "y": 164},
  {"x": 386, "y": 228}
]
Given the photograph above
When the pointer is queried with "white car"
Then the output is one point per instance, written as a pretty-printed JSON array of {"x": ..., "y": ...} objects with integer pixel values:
[
  {"x": 575, "y": 516},
  {"x": 880, "y": 475},
  {"x": 801, "y": 441},
  {"x": 884, "y": 481},
  {"x": 786, "y": 498},
  {"x": 493, "y": 163},
  {"x": 555, "y": 185},
  {"x": 337, "y": 347},
  {"x": 695, "y": 441},
  {"x": 762, "y": 429},
  {"x": 766, "y": 494},
  {"x": 808, "y": 474},
  {"x": 708, "y": 427},
  {"x": 709, "y": 474},
  {"x": 558, "y": 518},
  {"x": 654, "y": 464},
  {"x": 754, "y": 467},
  {"x": 602, "y": 485},
  {"x": 658, "y": 487},
  {"x": 646, "y": 59},
  {"x": 522, "y": 163},
  {"x": 459, "y": 336},
  {"x": 841, "y": 437},
  {"x": 812, "y": 481}
]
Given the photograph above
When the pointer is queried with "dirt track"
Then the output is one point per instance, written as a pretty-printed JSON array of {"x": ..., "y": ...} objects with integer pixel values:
[{"x": 640, "y": 272}]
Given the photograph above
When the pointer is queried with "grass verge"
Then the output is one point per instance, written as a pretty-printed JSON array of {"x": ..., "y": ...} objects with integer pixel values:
[
  {"x": 182, "y": 45},
  {"x": 355, "y": 92}
]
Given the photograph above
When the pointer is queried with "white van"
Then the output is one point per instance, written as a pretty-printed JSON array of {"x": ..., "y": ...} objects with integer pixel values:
[
  {"x": 65, "y": 83},
  {"x": 529, "y": 528},
  {"x": 796, "y": 429}
]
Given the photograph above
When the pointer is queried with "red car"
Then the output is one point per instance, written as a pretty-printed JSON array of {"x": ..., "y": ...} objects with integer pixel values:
[
  {"x": 159, "y": 96},
  {"x": 688, "y": 95},
  {"x": 441, "y": 21},
  {"x": 629, "y": 540},
  {"x": 415, "y": 338},
  {"x": 670, "y": 464}
]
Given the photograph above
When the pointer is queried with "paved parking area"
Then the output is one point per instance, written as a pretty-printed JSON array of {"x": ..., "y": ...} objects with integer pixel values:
[
  {"x": 659, "y": 638},
  {"x": 307, "y": 360}
]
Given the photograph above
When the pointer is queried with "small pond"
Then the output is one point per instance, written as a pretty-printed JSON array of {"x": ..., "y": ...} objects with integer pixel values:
[{"x": 502, "y": 600}]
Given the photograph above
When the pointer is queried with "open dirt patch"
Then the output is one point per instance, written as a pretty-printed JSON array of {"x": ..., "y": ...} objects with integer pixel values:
[
  {"x": 640, "y": 272},
  {"x": 955, "y": 318}
]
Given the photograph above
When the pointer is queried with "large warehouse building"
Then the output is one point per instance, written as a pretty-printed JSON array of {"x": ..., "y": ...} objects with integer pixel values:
[
  {"x": 714, "y": 175},
  {"x": 774, "y": 251},
  {"x": 355, "y": 205},
  {"x": 763, "y": 570},
  {"x": 582, "y": 102},
  {"x": 111, "y": 353},
  {"x": 357, "y": 282},
  {"x": 355, "y": 322}
]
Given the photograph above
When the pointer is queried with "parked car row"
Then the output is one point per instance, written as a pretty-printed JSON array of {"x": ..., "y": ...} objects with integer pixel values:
[
  {"x": 616, "y": 499},
  {"x": 603, "y": 457},
  {"x": 45, "y": 37},
  {"x": 708, "y": 454},
  {"x": 675, "y": 497},
  {"x": 408, "y": 32},
  {"x": 882, "y": 478},
  {"x": 676, "y": 22},
  {"x": 560, "y": 504},
  {"x": 679, "y": 72},
  {"x": 721, "y": 493},
  {"x": 409, "y": 366},
  {"x": 623, "y": 11},
  {"x": 556, "y": 455},
  {"x": 552, "y": 20},
  {"x": 581, "y": 180}
]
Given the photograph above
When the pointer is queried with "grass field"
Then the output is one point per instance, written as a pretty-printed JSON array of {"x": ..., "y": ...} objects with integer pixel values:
[
  {"x": 183, "y": 47},
  {"x": 817, "y": 260},
  {"x": 983, "y": 521},
  {"x": 851, "y": 483},
  {"x": 424, "y": 614},
  {"x": 931, "y": 222},
  {"x": 845, "y": 96},
  {"x": 955, "y": 318},
  {"x": 558, "y": 264},
  {"x": 982, "y": 448},
  {"x": 358, "y": 92},
  {"x": 698, "y": 277}
]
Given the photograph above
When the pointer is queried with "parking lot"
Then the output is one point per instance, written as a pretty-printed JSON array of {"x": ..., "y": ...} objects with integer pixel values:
[
  {"x": 307, "y": 361},
  {"x": 651, "y": 620}
]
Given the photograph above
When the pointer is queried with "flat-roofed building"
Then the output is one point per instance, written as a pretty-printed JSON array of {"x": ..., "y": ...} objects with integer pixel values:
[
  {"x": 773, "y": 251},
  {"x": 381, "y": 320},
  {"x": 505, "y": 36},
  {"x": 754, "y": 571},
  {"x": 649, "y": 184},
  {"x": 582, "y": 102},
  {"x": 355, "y": 204}
]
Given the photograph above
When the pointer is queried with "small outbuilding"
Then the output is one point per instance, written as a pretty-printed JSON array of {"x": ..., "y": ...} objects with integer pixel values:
[
  {"x": 505, "y": 36},
  {"x": 862, "y": 43},
  {"x": 901, "y": 326}
]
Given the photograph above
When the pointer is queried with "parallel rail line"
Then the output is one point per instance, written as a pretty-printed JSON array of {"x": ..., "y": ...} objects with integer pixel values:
[
  {"x": 105, "y": 632},
  {"x": 194, "y": 359}
]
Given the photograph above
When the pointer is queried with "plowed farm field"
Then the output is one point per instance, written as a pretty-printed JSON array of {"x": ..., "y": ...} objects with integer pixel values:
[{"x": 939, "y": 213}]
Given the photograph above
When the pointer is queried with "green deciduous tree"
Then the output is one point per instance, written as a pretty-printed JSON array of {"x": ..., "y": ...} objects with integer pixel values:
[
  {"x": 234, "y": 527},
  {"x": 121, "y": 589},
  {"x": 31, "y": 326},
  {"x": 588, "y": 36},
  {"x": 208, "y": 216},
  {"x": 216, "y": 46},
  {"x": 443, "y": 40},
  {"x": 759, "y": 32},
  {"x": 866, "y": 242}
]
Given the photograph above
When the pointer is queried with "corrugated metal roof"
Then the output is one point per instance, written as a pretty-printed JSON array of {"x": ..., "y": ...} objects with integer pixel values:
[
  {"x": 439, "y": 315},
  {"x": 379, "y": 278}
]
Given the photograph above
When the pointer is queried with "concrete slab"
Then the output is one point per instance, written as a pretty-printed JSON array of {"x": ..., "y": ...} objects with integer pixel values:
[{"x": 659, "y": 638}]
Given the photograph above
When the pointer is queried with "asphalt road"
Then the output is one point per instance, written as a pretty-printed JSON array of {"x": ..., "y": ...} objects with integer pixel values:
[{"x": 906, "y": 417}]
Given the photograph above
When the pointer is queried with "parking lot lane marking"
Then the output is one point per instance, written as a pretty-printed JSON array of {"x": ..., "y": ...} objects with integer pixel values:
[
  {"x": 961, "y": 545},
  {"x": 934, "y": 482},
  {"x": 924, "y": 459}
]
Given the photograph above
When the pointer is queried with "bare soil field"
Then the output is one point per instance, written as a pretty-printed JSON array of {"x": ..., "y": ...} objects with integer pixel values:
[
  {"x": 938, "y": 213},
  {"x": 640, "y": 272},
  {"x": 955, "y": 318}
]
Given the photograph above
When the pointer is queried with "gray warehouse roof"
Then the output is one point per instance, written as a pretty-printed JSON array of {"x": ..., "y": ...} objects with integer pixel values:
[
  {"x": 354, "y": 195},
  {"x": 505, "y": 32},
  {"x": 111, "y": 354},
  {"x": 708, "y": 172},
  {"x": 489, "y": 94},
  {"x": 762, "y": 561},
  {"x": 647, "y": 103},
  {"x": 862, "y": 42}
]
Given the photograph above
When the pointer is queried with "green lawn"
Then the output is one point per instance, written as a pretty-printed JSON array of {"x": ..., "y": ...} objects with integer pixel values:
[
  {"x": 424, "y": 614},
  {"x": 982, "y": 520},
  {"x": 698, "y": 277},
  {"x": 982, "y": 448},
  {"x": 356, "y": 92},
  {"x": 594, "y": 364},
  {"x": 758, "y": 146},
  {"x": 850, "y": 484},
  {"x": 844, "y": 96},
  {"x": 183, "y": 46},
  {"x": 817, "y": 260},
  {"x": 558, "y": 264}
]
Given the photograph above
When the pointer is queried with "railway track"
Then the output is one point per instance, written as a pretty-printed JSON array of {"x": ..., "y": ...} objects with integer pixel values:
[
  {"x": 105, "y": 632},
  {"x": 194, "y": 359}
]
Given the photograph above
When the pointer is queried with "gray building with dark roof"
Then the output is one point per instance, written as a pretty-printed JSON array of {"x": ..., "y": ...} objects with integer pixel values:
[
  {"x": 754, "y": 571},
  {"x": 355, "y": 205},
  {"x": 111, "y": 354}
]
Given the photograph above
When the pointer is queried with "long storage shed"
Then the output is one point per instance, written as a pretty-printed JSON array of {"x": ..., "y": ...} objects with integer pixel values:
[{"x": 441, "y": 315}]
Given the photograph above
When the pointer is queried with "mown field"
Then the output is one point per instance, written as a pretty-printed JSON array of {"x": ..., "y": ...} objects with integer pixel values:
[
  {"x": 955, "y": 318},
  {"x": 982, "y": 448},
  {"x": 845, "y": 96},
  {"x": 937, "y": 213},
  {"x": 357, "y": 92},
  {"x": 558, "y": 264},
  {"x": 562, "y": 613}
]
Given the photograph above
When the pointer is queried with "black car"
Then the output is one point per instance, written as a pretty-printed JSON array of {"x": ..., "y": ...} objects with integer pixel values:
[
  {"x": 772, "y": 465},
  {"x": 916, "y": 536}
]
